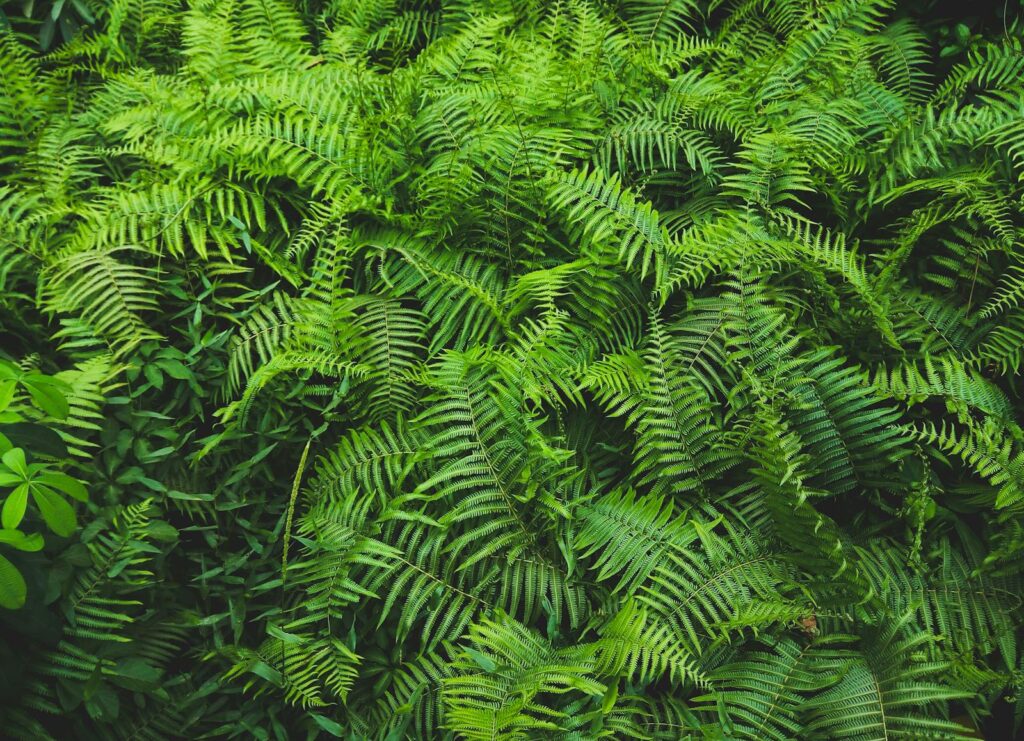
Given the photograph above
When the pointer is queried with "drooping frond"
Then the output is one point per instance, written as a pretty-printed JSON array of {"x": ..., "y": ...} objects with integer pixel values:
[
  {"x": 479, "y": 369},
  {"x": 108, "y": 295},
  {"x": 886, "y": 690},
  {"x": 612, "y": 220}
]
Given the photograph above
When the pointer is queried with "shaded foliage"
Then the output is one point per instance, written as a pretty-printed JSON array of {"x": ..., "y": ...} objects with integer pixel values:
[{"x": 493, "y": 370}]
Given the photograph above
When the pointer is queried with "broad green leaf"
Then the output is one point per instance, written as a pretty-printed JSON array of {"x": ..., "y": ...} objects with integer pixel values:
[
  {"x": 14, "y": 459},
  {"x": 12, "y": 586},
  {"x": 21, "y": 541},
  {"x": 104, "y": 705},
  {"x": 136, "y": 674},
  {"x": 10, "y": 479},
  {"x": 47, "y": 395},
  {"x": 175, "y": 369},
  {"x": 67, "y": 484},
  {"x": 332, "y": 727},
  {"x": 7, "y": 387},
  {"x": 153, "y": 375},
  {"x": 36, "y": 438},
  {"x": 56, "y": 512},
  {"x": 14, "y": 507},
  {"x": 483, "y": 661}
]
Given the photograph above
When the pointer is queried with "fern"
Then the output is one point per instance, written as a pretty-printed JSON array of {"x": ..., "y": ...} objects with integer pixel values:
[
  {"x": 883, "y": 689},
  {"x": 489, "y": 369},
  {"x": 605, "y": 212}
]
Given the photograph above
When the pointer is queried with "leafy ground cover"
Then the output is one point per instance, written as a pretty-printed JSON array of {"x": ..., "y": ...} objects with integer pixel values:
[{"x": 386, "y": 369}]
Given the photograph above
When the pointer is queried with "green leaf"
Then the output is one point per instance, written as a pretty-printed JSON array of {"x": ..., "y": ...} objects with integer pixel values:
[
  {"x": 175, "y": 369},
  {"x": 14, "y": 507},
  {"x": 152, "y": 373},
  {"x": 104, "y": 705},
  {"x": 285, "y": 637},
  {"x": 136, "y": 674},
  {"x": 162, "y": 531},
  {"x": 21, "y": 541},
  {"x": 12, "y": 586},
  {"x": 83, "y": 10},
  {"x": 7, "y": 387},
  {"x": 14, "y": 459},
  {"x": 35, "y": 437},
  {"x": 56, "y": 512},
  {"x": 610, "y": 698},
  {"x": 332, "y": 727},
  {"x": 484, "y": 662},
  {"x": 267, "y": 672},
  {"x": 47, "y": 395},
  {"x": 67, "y": 484}
]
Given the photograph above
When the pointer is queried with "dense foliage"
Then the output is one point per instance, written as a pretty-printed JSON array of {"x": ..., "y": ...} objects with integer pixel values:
[{"x": 385, "y": 369}]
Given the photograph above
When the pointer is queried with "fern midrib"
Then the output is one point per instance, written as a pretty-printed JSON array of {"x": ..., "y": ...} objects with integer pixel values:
[
  {"x": 718, "y": 577},
  {"x": 777, "y": 696},
  {"x": 479, "y": 444}
]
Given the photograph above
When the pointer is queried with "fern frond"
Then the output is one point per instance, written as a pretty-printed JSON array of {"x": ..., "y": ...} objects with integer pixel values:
[{"x": 605, "y": 213}]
